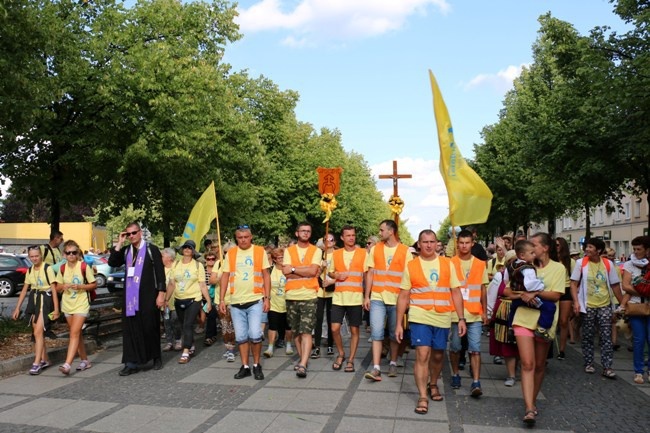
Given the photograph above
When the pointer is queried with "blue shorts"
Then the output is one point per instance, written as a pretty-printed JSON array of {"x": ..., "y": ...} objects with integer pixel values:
[
  {"x": 429, "y": 336},
  {"x": 474, "y": 330}
]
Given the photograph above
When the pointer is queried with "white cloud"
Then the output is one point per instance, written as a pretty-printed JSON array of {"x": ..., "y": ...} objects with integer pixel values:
[
  {"x": 316, "y": 20},
  {"x": 501, "y": 81},
  {"x": 424, "y": 195}
]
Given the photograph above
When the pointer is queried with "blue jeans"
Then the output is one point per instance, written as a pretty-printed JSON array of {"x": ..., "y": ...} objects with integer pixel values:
[
  {"x": 474, "y": 330},
  {"x": 248, "y": 323},
  {"x": 382, "y": 315},
  {"x": 640, "y": 336}
]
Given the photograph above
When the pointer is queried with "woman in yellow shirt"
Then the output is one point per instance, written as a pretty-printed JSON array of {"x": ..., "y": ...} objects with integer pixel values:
[
  {"x": 187, "y": 286},
  {"x": 75, "y": 302},
  {"x": 42, "y": 307}
]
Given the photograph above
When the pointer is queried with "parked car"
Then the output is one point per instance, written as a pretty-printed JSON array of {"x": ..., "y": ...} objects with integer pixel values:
[
  {"x": 100, "y": 268},
  {"x": 12, "y": 274},
  {"x": 115, "y": 280}
]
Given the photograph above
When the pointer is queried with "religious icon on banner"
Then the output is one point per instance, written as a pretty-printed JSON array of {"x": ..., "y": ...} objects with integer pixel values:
[{"x": 329, "y": 184}]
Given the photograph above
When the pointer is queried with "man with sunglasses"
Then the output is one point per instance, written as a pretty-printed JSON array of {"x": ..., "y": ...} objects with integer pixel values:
[{"x": 144, "y": 295}]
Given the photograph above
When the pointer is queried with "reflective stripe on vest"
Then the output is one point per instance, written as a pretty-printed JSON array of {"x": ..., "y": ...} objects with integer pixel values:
[
  {"x": 473, "y": 282},
  {"x": 258, "y": 259},
  {"x": 306, "y": 282},
  {"x": 422, "y": 295},
  {"x": 354, "y": 281},
  {"x": 391, "y": 278}
]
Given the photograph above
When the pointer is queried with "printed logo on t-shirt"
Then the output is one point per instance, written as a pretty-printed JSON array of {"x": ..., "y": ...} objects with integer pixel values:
[{"x": 433, "y": 276}]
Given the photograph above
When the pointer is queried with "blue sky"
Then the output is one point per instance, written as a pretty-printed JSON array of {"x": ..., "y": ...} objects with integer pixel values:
[{"x": 360, "y": 66}]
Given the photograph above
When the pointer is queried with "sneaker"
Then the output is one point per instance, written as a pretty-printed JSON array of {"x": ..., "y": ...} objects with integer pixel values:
[
  {"x": 455, "y": 381},
  {"x": 461, "y": 364},
  {"x": 374, "y": 375},
  {"x": 330, "y": 351},
  {"x": 315, "y": 353},
  {"x": 498, "y": 360},
  {"x": 510, "y": 381},
  {"x": 35, "y": 370},
  {"x": 280, "y": 344},
  {"x": 167, "y": 347},
  {"x": 288, "y": 350},
  {"x": 230, "y": 356},
  {"x": 638, "y": 378},
  {"x": 257, "y": 372},
  {"x": 84, "y": 365},
  {"x": 476, "y": 389},
  {"x": 268, "y": 353},
  {"x": 590, "y": 369},
  {"x": 392, "y": 370},
  {"x": 65, "y": 369},
  {"x": 178, "y": 345},
  {"x": 561, "y": 356},
  {"x": 45, "y": 364},
  {"x": 400, "y": 362},
  {"x": 243, "y": 372}
]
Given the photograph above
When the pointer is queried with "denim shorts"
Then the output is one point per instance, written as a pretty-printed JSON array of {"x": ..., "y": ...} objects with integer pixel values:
[
  {"x": 474, "y": 330},
  {"x": 382, "y": 315},
  {"x": 429, "y": 336},
  {"x": 248, "y": 323}
]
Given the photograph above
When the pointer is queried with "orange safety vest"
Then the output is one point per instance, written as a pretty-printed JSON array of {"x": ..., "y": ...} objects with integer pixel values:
[
  {"x": 422, "y": 295},
  {"x": 299, "y": 283},
  {"x": 258, "y": 259},
  {"x": 391, "y": 278},
  {"x": 354, "y": 281},
  {"x": 473, "y": 282}
]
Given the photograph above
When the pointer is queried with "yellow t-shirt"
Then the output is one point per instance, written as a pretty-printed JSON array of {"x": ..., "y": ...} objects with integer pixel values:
[
  {"x": 244, "y": 278},
  {"x": 278, "y": 280},
  {"x": 347, "y": 298},
  {"x": 597, "y": 291},
  {"x": 567, "y": 280},
  {"x": 50, "y": 257},
  {"x": 431, "y": 269},
  {"x": 187, "y": 278},
  {"x": 493, "y": 264},
  {"x": 75, "y": 301},
  {"x": 218, "y": 269},
  {"x": 37, "y": 279},
  {"x": 303, "y": 294},
  {"x": 466, "y": 266},
  {"x": 385, "y": 296},
  {"x": 168, "y": 276},
  {"x": 553, "y": 276}
]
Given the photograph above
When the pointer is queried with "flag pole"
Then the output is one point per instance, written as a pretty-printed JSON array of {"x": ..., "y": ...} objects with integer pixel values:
[{"x": 216, "y": 215}]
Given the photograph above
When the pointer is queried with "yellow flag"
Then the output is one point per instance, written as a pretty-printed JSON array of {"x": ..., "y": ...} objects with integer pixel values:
[
  {"x": 204, "y": 211},
  {"x": 469, "y": 197}
]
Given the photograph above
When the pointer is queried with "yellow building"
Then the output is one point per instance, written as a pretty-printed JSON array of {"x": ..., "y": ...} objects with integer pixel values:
[{"x": 15, "y": 237}]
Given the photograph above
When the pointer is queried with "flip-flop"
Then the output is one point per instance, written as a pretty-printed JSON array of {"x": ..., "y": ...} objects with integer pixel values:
[
  {"x": 529, "y": 418},
  {"x": 349, "y": 368},
  {"x": 338, "y": 363},
  {"x": 422, "y": 407}
]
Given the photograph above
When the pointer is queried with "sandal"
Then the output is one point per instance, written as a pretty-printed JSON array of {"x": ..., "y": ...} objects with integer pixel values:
[
  {"x": 209, "y": 341},
  {"x": 349, "y": 368},
  {"x": 184, "y": 359},
  {"x": 609, "y": 373},
  {"x": 301, "y": 371},
  {"x": 434, "y": 392},
  {"x": 339, "y": 362},
  {"x": 529, "y": 418},
  {"x": 423, "y": 406}
]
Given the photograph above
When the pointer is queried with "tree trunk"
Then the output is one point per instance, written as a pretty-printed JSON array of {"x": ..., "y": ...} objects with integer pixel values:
[
  {"x": 55, "y": 202},
  {"x": 551, "y": 226},
  {"x": 587, "y": 222}
]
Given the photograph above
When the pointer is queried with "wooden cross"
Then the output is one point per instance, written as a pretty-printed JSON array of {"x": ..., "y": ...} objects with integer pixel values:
[{"x": 395, "y": 176}]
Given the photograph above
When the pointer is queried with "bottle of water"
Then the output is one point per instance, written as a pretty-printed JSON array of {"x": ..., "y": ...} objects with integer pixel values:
[{"x": 166, "y": 314}]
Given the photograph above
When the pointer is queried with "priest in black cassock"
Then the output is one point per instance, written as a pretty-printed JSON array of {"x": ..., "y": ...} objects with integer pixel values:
[{"x": 144, "y": 294}]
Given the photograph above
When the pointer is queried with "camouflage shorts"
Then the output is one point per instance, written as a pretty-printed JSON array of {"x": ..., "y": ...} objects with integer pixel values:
[{"x": 301, "y": 316}]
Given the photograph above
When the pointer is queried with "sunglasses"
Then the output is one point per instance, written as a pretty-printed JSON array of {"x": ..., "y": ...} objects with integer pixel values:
[
  {"x": 243, "y": 227},
  {"x": 133, "y": 233},
  {"x": 210, "y": 259},
  {"x": 33, "y": 247},
  {"x": 71, "y": 253},
  {"x": 186, "y": 247}
]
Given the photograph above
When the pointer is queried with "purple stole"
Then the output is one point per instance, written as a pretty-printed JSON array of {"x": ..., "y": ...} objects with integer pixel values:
[{"x": 133, "y": 283}]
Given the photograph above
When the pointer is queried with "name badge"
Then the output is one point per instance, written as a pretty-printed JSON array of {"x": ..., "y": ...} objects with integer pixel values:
[
  {"x": 465, "y": 293},
  {"x": 130, "y": 272}
]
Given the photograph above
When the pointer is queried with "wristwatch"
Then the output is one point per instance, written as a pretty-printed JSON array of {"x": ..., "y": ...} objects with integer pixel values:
[
  {"x": 293, "y": 270},
  {"x": 462, "y": 318}
]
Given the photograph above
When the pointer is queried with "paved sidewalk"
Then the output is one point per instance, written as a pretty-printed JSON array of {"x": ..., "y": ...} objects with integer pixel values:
[{"x": 203, "y": 396}]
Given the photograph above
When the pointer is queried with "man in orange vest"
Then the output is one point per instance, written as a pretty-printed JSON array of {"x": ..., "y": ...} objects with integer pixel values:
[
  {"x": 347, "y": 267},
  {"x": 430, "y": 292},
  {"x": 246, "y": 276},
  {"x": 473, "y": 282},
  {"x": 386, "y": 263},
  {"x": 301, "y": 265}
]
